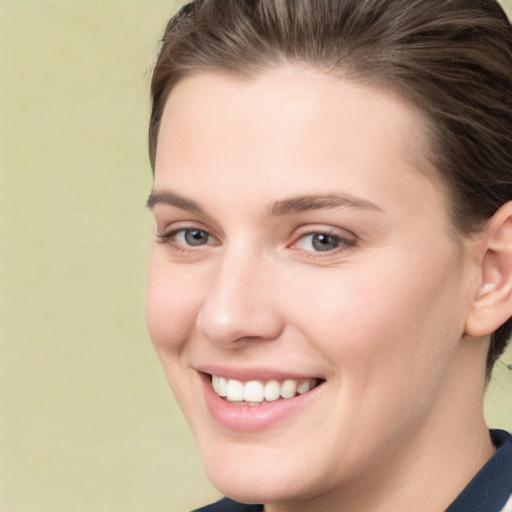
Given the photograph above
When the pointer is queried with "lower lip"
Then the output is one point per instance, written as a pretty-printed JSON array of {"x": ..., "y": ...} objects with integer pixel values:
[{"x": 252, "y": 419}]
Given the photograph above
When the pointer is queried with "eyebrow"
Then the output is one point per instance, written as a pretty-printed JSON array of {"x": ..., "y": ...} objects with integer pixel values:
[
  {"x": 171, "y": 199},
  {"x": 275, "y": 208},
  {"x": 319, "y": 202}
]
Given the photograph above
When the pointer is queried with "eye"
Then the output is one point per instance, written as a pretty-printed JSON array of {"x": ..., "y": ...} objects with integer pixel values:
[
  {"x": 322, "y": 242},
  {"x": 192, "y": 237},
  {"x": 186, "y": 238}
]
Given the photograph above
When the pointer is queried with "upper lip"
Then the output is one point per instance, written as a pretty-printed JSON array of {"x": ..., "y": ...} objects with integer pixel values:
[{"x": 252, "y": 373}]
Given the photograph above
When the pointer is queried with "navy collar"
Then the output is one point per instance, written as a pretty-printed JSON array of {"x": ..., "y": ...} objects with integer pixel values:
[{"x": 492, "y": 486}]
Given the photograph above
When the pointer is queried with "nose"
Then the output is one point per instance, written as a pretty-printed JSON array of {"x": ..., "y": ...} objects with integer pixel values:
[{"x": 241, "y": 303}]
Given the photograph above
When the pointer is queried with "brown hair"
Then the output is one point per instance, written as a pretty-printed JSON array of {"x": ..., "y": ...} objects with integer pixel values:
[{"x": 451, "y": 58}]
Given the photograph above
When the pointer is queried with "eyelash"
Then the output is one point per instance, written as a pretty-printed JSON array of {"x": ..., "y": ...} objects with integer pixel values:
[
  {"x": 170, "y": 239},
  {"x": 344, "y": 242}
]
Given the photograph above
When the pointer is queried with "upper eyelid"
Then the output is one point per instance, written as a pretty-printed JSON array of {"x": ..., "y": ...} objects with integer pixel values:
[
  {"x": 173, "y": 232},
  {"x": 174, "y": 227},
  {"x": 169, "y": 237},
  {"x": 347, "y": 241},
  {"x": 342, "y": 233},
  {"x": 328, "y": 233}
]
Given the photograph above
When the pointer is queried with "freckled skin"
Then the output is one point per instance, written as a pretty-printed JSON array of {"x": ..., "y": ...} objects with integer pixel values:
[{"x": 380, "y": 317}]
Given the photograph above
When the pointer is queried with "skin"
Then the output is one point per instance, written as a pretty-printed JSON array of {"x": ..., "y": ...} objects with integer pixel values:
[{"x": 383, "y": 318}]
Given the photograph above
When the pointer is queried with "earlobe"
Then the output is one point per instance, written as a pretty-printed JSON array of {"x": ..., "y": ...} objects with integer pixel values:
[{"x": 492, "y": 303}]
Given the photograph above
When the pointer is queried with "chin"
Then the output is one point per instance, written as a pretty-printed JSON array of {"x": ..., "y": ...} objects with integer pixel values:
[
  {"x": 260, "y": 474},
  {"x": 253, "y": 487}
]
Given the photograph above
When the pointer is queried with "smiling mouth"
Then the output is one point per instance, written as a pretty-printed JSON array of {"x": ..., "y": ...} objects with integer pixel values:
[{"x": 256, "y": 392}]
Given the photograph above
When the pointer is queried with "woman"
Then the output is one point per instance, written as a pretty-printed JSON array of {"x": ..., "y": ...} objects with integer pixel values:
[{"x": 331, "y": 279}]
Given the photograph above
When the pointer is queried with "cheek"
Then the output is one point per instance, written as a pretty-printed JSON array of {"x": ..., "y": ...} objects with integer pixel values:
[
  {"x": 170, "y": 317},
  {"x": 391, "y": 320},
  {"x": 170, "y": 309},
  {"x": 390, "y": 340}
]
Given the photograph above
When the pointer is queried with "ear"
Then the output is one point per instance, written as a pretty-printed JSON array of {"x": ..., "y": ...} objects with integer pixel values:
[{"x": 492, "y": 304}]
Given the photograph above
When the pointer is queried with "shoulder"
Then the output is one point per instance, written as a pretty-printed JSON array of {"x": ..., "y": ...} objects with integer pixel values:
[
  {"x": 227, "y": 505},
  {"x": 491, "y": 488}
]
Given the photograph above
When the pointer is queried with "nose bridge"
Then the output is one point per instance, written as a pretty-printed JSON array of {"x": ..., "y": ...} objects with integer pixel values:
[{"x": 239, "y": 303}]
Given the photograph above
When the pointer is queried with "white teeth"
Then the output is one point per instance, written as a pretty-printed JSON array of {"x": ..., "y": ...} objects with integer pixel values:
[
  {"x": 255, "y": 392},
  {"x": 235, "y": 390},
  {"x": 305, "y": 386},
  {"x": 288, "y": 388},
  {"x": 215, "y": 383},
  {"x": 219, "y": 385},
  {"x": 223, "y": 386},
  {"x": 272, "y": 389}
]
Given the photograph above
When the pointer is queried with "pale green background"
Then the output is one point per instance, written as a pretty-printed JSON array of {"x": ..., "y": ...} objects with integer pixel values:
[{"x": 86, "y": 419}]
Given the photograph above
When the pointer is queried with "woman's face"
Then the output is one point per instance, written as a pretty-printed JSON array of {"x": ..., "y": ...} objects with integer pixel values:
[{"x": 298, "y": 243}]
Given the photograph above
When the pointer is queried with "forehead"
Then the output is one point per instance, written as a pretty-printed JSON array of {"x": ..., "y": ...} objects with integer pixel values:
[
  {"x": 287, "y": 122},
  {"x": 284, "y": 100}
]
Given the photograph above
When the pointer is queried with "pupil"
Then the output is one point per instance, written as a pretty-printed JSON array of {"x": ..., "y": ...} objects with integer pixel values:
[
  {"x": 324, "y": 242},
  {"x": 195, "y": 237}
]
